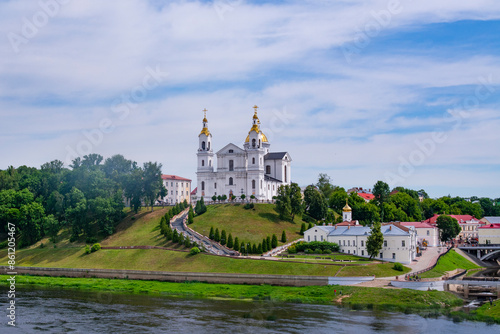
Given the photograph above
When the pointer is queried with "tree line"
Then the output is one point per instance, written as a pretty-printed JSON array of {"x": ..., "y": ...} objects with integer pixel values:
[
  {"x": 87, "y": 198},
  {"x": 323, "y": 203}
]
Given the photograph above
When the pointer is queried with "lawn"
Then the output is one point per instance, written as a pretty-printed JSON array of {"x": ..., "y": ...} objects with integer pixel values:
[
  {"x": 248, "y": 225},
  {"x": 449, "y": 262},
  {"x": 379, "y": 270},
  {"x": 160, "y": 260}
]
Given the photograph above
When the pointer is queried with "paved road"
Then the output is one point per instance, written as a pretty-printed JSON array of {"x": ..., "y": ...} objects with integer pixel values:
[{"x": 210, "y": 246}]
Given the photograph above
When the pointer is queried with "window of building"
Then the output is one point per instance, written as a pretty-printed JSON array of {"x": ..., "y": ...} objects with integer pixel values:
[
  {"x": 231, "y": 165},
  {"x": 171, "y": 192},
  {"x": 321, "y": 238},
  {"x": 308, "y": 238},
  {"x": 171, "y": 184},
  {"x": 362, "y": 243},
  {"x": 348, "y": 242},
  {"x": 177, "y": 192},
  {"x": 344, "y": 242},
  {"x": 230, "y": 181},
  {"x": 253, "y": 161},
  {"x": 209, "y": 162},
  {"x": 231, "y": 151},
  {"x": 253, "y": 184},
  {"x": 202, "y": 145},
  {"x": 268, "y": 169},
  {"x": 381, "y": 255},
  {"x": 394, "y": 256},
  {"x": 215, "y": 185},
  {"x": 182, "y": 184},
  {"x": 385, "y": 243},
  {"x": 208, "y": 146},
  {"x": 428, "y": 232},
  {"x": 362, "y": 252},
  {"x": 202, "y": 163},
  {"x": 354, "y": 243},
  {"x": 260, "y": 184},
  {"x": 253, "y": 143},
  {"x": 403, "y": 243},
  {"x": 315, "y": 238},
  {"x": 202, "y": 185},
  {"x": 285, "y": 174}
]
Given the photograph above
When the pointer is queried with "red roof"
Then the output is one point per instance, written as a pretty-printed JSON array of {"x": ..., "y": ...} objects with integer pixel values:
[
  {"x": 418, "y": 224},
  {"x": 346, "y": 223},
  {"x": 174, "y": 177},
  {"x": 491, "y": 226},
  {"x": 367, "y": 197},
  {"x": 194, "y": 191},
  {"x": 459, "y": 218}
]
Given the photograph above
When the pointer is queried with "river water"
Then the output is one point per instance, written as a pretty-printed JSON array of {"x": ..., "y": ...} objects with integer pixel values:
[{"x": 63, "y": 311}]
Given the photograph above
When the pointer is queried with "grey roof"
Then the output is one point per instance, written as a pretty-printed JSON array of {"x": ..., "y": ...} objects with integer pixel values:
[
  {"x": 493, "y": 220},
  {"x": 387, "y": 230},
  {"x": 269, "y": 178},
  {"x": 275, "y": 156}
]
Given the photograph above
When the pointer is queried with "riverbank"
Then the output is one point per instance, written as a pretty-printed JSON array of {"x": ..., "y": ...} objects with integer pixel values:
[{"x": 427, "y": 303}]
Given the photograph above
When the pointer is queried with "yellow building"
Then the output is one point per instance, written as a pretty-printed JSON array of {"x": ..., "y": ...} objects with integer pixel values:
[{"x": 489, "y": 234}]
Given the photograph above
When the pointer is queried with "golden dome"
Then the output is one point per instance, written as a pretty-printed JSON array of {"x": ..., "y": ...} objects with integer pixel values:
[
  {"x": 205, "y": 131},
  {"x": 255, "y": 116},
  {"x": 264, "y": 138},
  {"x": 205, "y": 120},
  {"x": 346, "y": 208}
]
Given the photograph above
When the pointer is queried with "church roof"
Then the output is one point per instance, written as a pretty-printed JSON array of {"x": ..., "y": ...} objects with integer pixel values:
[
  {"x": 275, "y": 156},
  {"x": 268, "y": 178},
  {"x": 174, "y": 177}
]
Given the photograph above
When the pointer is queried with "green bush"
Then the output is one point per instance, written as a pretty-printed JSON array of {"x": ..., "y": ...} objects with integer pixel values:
[
  {"x": 95, "y": 247},
  {"x": 327, "y": 251},
  {"x": 87, "y": 249},
  {"x": 292, "y": 250},
  {"x": 42, "y": 245},
  {"x": 308, "y": 251},
  {"x": 323, "y": 245},
  {"x": 398, "y": 266},
  {"x": 318, "y": 251},
  {"x": 90, "y": 240},
  {"x": 194, "y": 251},
  {"x": 248, "y": 206}
]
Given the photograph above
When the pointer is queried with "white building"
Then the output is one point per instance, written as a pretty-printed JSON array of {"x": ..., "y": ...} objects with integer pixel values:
[
  {"x": 251, "y": 170},
  {"x": 426, "y": 233},
  {"x": 178, "y": 189},
  {"x": 400, "y": 243}
]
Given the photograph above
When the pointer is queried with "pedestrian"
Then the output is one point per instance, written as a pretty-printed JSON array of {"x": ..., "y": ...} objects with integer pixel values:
[{"x": 335, "y": 291}]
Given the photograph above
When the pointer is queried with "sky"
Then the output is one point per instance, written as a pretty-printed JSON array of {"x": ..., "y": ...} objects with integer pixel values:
[{"x": 406, "y": 92}]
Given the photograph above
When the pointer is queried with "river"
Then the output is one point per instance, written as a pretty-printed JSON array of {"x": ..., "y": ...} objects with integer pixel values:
[{"x": 62, "y": 311}]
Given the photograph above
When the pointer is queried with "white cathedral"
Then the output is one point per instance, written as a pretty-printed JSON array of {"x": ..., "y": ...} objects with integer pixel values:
[{"x": 253, "y": 170}]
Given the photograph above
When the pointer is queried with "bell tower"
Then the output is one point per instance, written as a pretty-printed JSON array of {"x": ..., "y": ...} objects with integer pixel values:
[
  {"x": 205, "y": 153},
  {"x": 347, "y": 212}
]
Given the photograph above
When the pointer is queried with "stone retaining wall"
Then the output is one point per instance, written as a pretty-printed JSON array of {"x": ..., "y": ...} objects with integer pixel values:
[{"x": 283, "y": 280}]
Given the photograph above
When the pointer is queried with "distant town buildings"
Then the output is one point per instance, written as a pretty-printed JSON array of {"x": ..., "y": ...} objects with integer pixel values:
[
  {"x": 468, "y": 226},
  {"x": 489, "y": 234},
  {"x": 427, "y": 234},
  {"x": 178, "y": 189}
]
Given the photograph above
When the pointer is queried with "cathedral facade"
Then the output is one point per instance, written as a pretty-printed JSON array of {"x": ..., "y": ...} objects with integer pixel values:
[{"x": 251, "y": 170}]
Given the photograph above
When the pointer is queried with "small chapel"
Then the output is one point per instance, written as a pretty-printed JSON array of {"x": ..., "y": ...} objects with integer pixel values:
[{"x": 251, "y": 170}]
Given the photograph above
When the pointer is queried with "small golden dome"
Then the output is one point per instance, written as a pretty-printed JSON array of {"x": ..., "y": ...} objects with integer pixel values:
[
  {"x": 346, "y": 208},
  {"x": 255, "y": 116},
  {"x": 205, "y": 131},
  {"x": 205, "y": 120}
]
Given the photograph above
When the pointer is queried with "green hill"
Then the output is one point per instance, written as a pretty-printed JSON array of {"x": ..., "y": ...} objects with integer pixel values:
[{"x": 250, "y": 225}]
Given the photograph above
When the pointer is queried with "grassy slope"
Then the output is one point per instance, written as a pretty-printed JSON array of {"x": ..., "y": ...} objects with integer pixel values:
[
  {"x": 379, "y": 270},
  {"x": 449, "y": 262},
  {"x": 161, "y": 260},
  {"x": 376, "y": 298},
  {"x": 248, "y": 225}
]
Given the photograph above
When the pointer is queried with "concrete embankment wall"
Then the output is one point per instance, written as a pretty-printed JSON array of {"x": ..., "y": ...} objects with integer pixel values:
[{"x": 283, "y": 280}]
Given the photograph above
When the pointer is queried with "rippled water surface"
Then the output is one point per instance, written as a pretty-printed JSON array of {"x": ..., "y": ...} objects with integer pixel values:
[{"x": 62, "y": 311}]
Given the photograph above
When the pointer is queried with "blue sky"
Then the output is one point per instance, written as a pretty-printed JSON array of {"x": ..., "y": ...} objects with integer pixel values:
[{"x": 400, "y": 91}]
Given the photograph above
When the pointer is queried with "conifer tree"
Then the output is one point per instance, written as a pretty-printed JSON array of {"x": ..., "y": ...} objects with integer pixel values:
[
  {"x": 223, "y": 237},
  {"x": 259, "y": 248},
  {"x": 242, "y": 248},
  {"x": 302, "y": 228},
  {"x": 375, "y": 240},
  {"x": 211, "y": 235},
  {"x": 268, "y": 241},
  {"x": 230, "y": 241},
  {"x": 175, "y": 236},
  {"x": 190, "y": 216},
  {"x": 169, "y": 233},
  {"x": 217, "y": 235},
  {"x": 283, "y": 236},
  {"x": 274, "y": 241},
  {"x": 264, "y": 246},
  {"x": 254, "y": 249},
  {"x": 187, "y": 242},
  {"x": 236, "y": 245},
  {"x": 181, "y": 239}
]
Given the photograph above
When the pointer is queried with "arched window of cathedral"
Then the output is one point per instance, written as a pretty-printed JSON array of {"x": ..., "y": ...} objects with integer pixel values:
[
  {"x": 285, "y": 174},
  {"x": 253, "y": 184},
  {"x": 253, "y": 161},
  {"x": 231, "y": 165},
  {"x": 202, "y": 145},
  {"x": 253, "y": 142},
  {"x": 202, "y": 163},
  {"x": 268, "y": 169},
  {"x": 202, "y": 185},
  {"x": 230, "y": 181}
]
